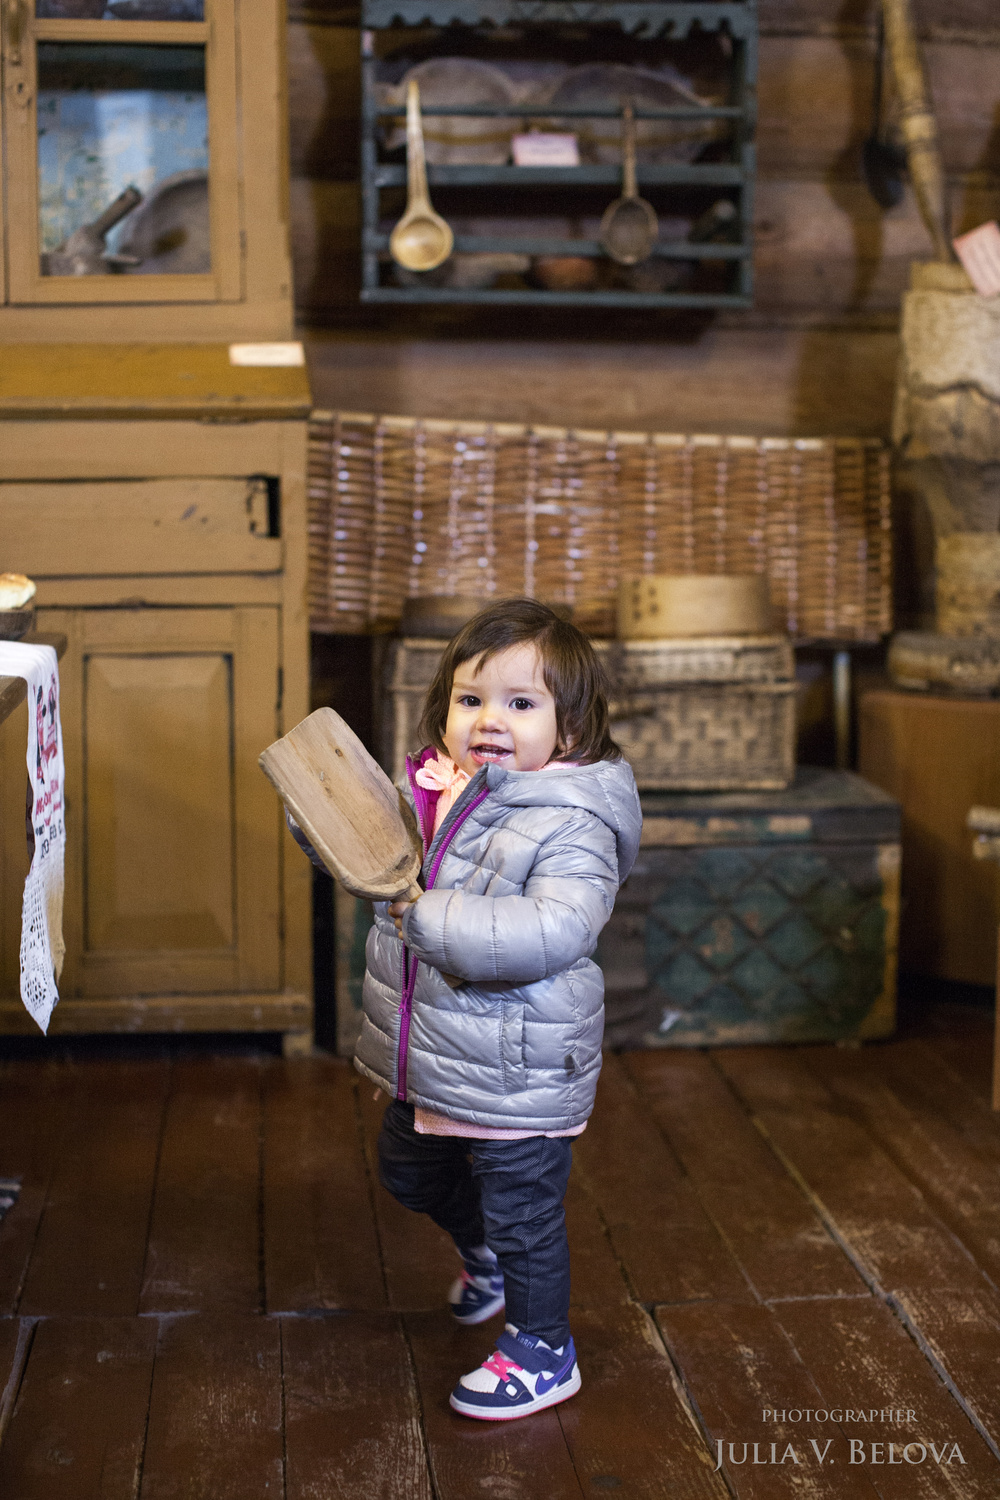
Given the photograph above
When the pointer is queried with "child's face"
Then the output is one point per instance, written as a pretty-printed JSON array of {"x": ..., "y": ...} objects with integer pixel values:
[{"x": 503, "y": 715}]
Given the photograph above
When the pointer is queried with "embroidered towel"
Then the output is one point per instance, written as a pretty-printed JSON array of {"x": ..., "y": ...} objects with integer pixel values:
[{"x": 42, "y": 947}]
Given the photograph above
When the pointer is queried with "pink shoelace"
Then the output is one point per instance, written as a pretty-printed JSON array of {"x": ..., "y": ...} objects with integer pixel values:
[{"x": 499, "y": 1364}]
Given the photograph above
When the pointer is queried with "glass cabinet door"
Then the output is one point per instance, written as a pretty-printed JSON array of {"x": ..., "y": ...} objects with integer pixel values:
[{"x": 119, "y": 131}]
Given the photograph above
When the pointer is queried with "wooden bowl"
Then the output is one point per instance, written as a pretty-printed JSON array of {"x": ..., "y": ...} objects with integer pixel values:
[
  {"x": 659, "y": 605},
  {"x": 15, "y": 623}
]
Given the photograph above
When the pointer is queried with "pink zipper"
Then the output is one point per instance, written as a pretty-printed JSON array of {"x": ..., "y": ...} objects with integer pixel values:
[{"x": 409, "y": 979}]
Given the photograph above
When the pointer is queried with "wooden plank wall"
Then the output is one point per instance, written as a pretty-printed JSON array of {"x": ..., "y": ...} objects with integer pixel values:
[{"x": 818, "y": 352}]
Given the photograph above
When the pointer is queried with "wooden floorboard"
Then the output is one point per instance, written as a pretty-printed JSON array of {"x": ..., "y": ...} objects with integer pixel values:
[
  {"x": 629, "y": 1387},
  {"x": 320, "y": 1242},
  {"x": 90, "y": 1251},
  {"x": 739, "y": 1364},
  {"x": 78, "y": 1428},
  {"x": 780, "y": 1243},
  {"x": 814, "y": 1228},
  {"x": 863, "y": 1361},
  {"x": 204, "y": 1240},
  {"x": 215, "y": 1411},
  {"x": 959, "y": 1183},
  {"x": 504, "y": 1460},
  {"x": 352, "y": 1411},
  {"x": 668, "y": 1246},
  {"x": 35, "y": 1106},
  {"x": 878, "y": 1215}
]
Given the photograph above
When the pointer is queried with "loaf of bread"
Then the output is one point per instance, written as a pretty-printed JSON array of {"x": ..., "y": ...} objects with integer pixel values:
[{"x": 15, "y": 590}]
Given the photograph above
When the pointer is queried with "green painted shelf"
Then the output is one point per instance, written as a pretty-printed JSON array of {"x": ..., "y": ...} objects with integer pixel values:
[{"x": 648, "y": 22}]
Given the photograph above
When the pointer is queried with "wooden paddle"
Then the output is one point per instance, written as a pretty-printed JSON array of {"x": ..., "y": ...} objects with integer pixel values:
[{"x": 348, "y": 808}]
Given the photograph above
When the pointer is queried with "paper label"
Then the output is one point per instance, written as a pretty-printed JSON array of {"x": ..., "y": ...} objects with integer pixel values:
[
  {"x": 267, "y": 355},
  {"x": 537, "y": 149},
  {"x": 979, "y": 252}
]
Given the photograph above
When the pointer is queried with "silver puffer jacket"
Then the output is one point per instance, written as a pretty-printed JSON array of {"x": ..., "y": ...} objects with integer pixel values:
[{"x": 520, "y": 879}]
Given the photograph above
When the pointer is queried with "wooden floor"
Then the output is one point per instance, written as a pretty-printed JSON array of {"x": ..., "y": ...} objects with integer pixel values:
[{"x": 204, "y": 1292}]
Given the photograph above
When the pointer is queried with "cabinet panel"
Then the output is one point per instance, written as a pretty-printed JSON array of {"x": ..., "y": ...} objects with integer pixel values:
[
  {"x": 173, "y": 881},
  {"x": 159, "y": 786},
  {"x": 145, "y": 526}
]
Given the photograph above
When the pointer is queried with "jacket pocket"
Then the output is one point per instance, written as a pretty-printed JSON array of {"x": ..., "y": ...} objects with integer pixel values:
[{"x": 512, "y": 1065}]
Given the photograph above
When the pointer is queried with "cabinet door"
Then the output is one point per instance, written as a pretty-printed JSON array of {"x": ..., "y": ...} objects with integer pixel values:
[
  {"x": 173, "y": 833},
  {"x": 120, "y": 126}
]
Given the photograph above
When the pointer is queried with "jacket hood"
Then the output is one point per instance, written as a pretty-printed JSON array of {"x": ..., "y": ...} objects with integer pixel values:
[{"x": 607, "y": 789}]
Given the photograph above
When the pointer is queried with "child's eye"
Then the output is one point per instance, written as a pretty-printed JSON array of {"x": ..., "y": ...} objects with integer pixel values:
[
  {"x": 523, "y": 703},
  {"x": 468, "y": 700}
]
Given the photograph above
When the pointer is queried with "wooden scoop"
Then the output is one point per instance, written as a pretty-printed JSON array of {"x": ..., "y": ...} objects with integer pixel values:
[
  {"x": 629, "y": 227},
  {"x": 348, "y": 808},
  {"x": 421, "y": 240}
]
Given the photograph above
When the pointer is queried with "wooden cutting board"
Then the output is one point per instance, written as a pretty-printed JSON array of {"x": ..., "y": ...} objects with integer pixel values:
[{"x": 349, "y": 810}]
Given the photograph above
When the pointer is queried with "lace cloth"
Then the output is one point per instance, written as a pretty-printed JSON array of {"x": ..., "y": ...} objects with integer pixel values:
[{"x": 42, "y": 947}]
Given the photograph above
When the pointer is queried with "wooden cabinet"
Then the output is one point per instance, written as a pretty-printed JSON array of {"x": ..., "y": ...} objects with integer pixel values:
[
  {"x": 144, "y": 169},
  {"x": 171, "y": 553}
]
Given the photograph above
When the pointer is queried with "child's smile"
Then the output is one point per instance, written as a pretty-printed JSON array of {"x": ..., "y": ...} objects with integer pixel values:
[{"x": 502, "y": 714}]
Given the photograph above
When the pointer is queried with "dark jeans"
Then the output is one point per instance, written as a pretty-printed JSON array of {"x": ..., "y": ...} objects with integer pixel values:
[{"x": 508, "y": 1194}]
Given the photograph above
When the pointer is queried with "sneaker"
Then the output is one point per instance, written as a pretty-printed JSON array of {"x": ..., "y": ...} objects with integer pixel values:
[
  {"x": 477, "y": 1295},
  {"x": 521, "y": 1376}
]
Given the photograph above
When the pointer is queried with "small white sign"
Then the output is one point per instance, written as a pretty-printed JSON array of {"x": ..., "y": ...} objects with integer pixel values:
[
  {"x": 538, "y": 149},
  {"x": 267, "y": 354},
  {"x": 979, "y": 252}
]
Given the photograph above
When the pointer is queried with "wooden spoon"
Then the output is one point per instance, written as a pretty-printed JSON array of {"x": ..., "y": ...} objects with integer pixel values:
[
  {"x": 350, "y": 811},
  {"x": 629, "y": 228},
  {"x": 421, "y": 240}
]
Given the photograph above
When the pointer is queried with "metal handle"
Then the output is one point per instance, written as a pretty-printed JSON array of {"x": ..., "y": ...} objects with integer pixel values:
[{"x": 17, "y": 21}]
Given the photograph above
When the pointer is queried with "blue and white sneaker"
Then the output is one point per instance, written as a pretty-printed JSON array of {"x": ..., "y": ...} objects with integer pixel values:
[
  {"x": 478, "y": 1293},
  {"x": 521, "y": 1376}
]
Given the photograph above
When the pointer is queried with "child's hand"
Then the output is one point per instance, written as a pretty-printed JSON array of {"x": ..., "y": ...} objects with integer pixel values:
[{"x": 396, "y": 910}]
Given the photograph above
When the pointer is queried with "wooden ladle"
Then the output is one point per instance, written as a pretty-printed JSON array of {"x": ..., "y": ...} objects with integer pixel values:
[
  {"x": 421, "y": 240},
  {"x": 629, "y": 228}
]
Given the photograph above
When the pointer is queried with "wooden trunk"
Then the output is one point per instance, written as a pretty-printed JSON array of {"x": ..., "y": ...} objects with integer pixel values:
[
  {"x": 939, "y": 757},
  {"x": 747, "y": 918},
  {"x": 171, "y": 553}
]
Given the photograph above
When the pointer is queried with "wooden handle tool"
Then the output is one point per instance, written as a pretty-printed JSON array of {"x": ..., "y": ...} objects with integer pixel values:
[{"x": 347, "y": 807}]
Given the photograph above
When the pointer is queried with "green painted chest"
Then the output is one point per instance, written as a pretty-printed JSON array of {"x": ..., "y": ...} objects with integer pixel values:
[{"x": 758, "y": 917}]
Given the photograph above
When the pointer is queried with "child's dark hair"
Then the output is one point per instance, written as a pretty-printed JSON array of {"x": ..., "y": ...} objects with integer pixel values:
[{"x": 572, "y": 672}]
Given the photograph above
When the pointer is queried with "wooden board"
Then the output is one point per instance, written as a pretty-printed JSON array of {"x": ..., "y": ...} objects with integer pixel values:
[
  {"x": 204, "y": 1243},
  {"x": 215, "y": 1411},
  {"x": 78, "y": 1428},
  {"x": 15, "y": 1341},
  {"x": 959, "y": 1183},
  {"x": 35, "y": 1108},
  {"x": 937, "y": 756},
  {"x": 881, "y": 1218},
  {"x": 737, "y": 1362},
  {"x": 135, "y": 379},
  {"x": 630, "y": 1387},
  {"x": 958, "y": 1331},
  {"x": 160, "y": 526},
  {"x": 795, "y": 381},
  {"x": 668, "y": 1247},
  {"x": 516, "y": 1458},
  {"x": 863, "y": 1360},
  {"x": 315, "y": 1179},
  {"x": 780, "y": 1243},
  {"x": 90, "y": 1250},
  {"x": 352, "y": 1410}
]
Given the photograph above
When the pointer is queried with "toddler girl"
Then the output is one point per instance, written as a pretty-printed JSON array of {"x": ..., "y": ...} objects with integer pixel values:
[{"x": 483, "y": 1009}]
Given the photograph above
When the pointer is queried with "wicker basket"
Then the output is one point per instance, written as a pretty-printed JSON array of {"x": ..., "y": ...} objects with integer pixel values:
[
  {"x": 689, "y": 715},
  {"x": 404, "y": 508}
]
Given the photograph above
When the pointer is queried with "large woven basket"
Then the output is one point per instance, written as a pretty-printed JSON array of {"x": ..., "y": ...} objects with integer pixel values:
[{"x": 400, "y": 507}]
